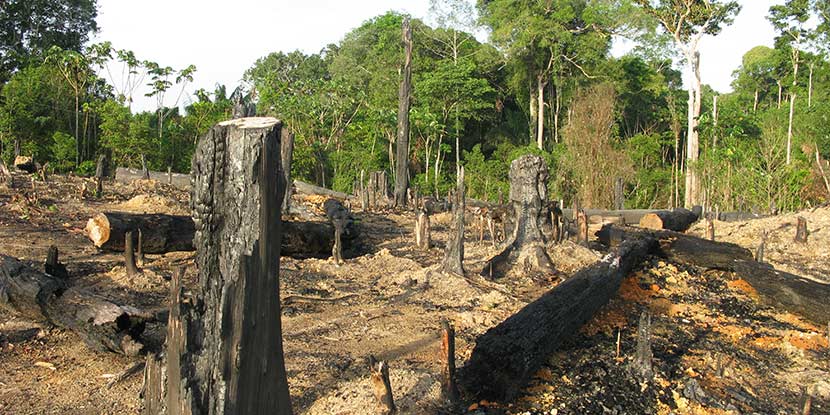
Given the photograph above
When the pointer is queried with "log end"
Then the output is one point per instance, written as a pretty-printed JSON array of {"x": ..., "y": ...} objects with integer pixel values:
[
  {"x": 651, "y": 221},
  {"x": 251, "y": 122},
  {"x": 98, "y": 229}
]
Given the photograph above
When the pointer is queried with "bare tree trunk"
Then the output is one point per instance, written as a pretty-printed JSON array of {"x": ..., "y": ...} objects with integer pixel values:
[
  {"x": 755, "y": 104},
  {"x": 454, "y": 254},
  {"x": 533, "y": 110},
  {"x": 540, "y": 127},
  {"x": 404, "y": 97},
  {"x": 286, "y": 159},
  {"x": 780, "y": 92},
  {"x": 810, "y": 88},
  {"x": 790, "y": 128},
  {"x": 224, "y": 343}
]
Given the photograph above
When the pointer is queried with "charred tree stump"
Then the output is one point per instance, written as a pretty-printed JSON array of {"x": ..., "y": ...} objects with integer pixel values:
[
  {"x": 507, "y": 356},
  {"x": 556, "y": 223},
  {"x": 144, "y": 170},
  {"x": 286, "y": 159},
  {"x": 164, "y": 233},
  {"x": 526, "y": 246},
  {"x": 449, "y": 390},
  {"x": 642, "y": 361},
  {"x": 129, "y": 254},
  {"x": 99, "y": 177},
  {"x": 404, "y": 100},
  {"x": 169, "y": 175},
  {"x": 710, "y": 230},
  {"x": 224, "y": 345},
  {"x": 454, "y": 255},
  {"x": 7, "y": 175},
  {"x": 381, "y": 386},
  {"x": 25, "y": 163},
  {"x": 153, "y": 388},
  {"x": 53, "y": 266},
  {"x": 801, "y": 230},
  {"x": 581, "y": 228},
  {"x": 422, "y": 235},
  {"x": 678, "y": 220},
  {"x": 619, "y": 196},
  {"x": 364, "y": 194},
  {"x": 341, "y": 219},
  {"x": 100, "y": 323}
]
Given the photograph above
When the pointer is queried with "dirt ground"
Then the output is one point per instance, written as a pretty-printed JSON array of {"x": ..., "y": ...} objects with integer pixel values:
[{"x": 716, "y": 348}]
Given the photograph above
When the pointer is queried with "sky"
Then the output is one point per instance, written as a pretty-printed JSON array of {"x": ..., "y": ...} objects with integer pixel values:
[{"x": 224, "y": 39}]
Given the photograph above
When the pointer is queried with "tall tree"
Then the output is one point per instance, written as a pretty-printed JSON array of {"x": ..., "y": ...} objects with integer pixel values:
[
  {"x": 404, "y": 101},
  {"x": 28, "y": 28},
  {"x": 688, "y": 21},
  {"x": 75, "y": 69},
  {"x": 790, "y": 19}
]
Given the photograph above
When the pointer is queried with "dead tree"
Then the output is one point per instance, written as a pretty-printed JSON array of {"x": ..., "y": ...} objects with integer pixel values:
[
  {"x": 507, "y": 356},
  {"x": 44, "y": 297},
  {"x": 286, "y": 159},
  {"x": 99, "y": 176},
  {"x": 422, "y": 235},
  {"x": 449, "y": 390},
  {"x": 129, "y": 254},
  {"x": 454, "y": 255},
  {"x": 224, "y": 345},
  {"x": 378, "y": 190},
  {"x": 404, "y": 99},
  {"x": 801, "y": 230},
  {"x": 381, "y": 386},
  {"x": 526, "y": 246}
]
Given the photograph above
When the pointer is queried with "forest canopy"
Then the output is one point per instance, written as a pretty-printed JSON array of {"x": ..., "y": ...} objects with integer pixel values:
[{"x": 544, "y": 83}]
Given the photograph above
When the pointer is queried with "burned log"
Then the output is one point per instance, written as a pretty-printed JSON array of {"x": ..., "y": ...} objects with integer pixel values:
[
  {"x": 224, "y": 345},
  {"x": 40, "y": 296},
  {"x": 310, "y": 189},
  {"x": 678, "y": 220},
  {"x": 507, "y": 356},
  {"x": 127, "y": 176},
  {"x": 25, "y": 163},
  {"x": 286, "y": 159},
  {"x": 160, "y": 233},
  {"x": 777, "y": 288},
  {"x": 526, "y": 246}
]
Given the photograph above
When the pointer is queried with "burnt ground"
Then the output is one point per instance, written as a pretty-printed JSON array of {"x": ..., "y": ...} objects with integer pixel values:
[{"x": 717, "y": 349}]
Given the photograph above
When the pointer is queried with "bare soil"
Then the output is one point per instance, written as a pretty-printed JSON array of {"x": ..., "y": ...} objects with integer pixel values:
[{"x": 716, "y": 348}]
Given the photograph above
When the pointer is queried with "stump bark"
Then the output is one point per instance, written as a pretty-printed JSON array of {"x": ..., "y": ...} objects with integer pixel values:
[
  {"x": 286, "y": 159},
  {"x": 99, "y": 176},
  {"x": 404, "y": 100},
  {"x": 224, "y": 346},
  {"x": 525, "y": 249}
]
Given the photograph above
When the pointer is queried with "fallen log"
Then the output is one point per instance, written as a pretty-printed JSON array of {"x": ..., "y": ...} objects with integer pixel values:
[
  {"x": 507, "y": 356},
  {"x": 127, "y": 176},
  {"x": 777, "y": 288},
  {"x": 25, "y": 163},
  {"x": 160, "y": 233},
  {"x": 102, "y": 324},
  {"x": 310, "y": 189},
  {"x": 676, "y": 220}
]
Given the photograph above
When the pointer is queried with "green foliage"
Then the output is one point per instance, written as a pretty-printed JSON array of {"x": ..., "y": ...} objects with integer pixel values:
[
  {"x": 86, "y": 168},
  {"x": 63, "y": 151}
]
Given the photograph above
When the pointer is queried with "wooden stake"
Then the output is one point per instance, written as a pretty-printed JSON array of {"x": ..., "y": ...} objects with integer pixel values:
[
  {"x": 449, "y": 391},
  {"x": 381, "y": 386},
  {"x": 642, "y": 361},
  {"x": 801, "y": 230},
  {"x": 53, "y": 266},
  {"x": 129, "y": 254},
  {"x": 759, "y": 253},
  {"x": 710, "y": 229}
]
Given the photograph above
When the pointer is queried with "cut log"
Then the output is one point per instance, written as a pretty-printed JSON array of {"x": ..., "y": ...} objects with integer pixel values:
[
  {"x": 127, "y": 176},
  {"x": 507, "y": 356},
  {"x": 102, "y": 324},
  {"x": 224, "y": 345},
  {"x": 310, "y": 189},
  {"x": 526, "y": 246},
  {"x": 422, "y": 235},
  {"x": 25, "y": 163},
  {"x": 160, "y": 233},
  {"x": 777, "y": 288},
  {"x": 678, "y": 220}
]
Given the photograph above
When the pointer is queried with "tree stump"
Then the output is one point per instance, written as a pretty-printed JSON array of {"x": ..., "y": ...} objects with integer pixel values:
[
  {"x": 641, "y": 365},
  {"x": 224, "y": 345},
  {"x": 381, "y": 386},
  {"x": 53, "y": 265},
  {"x": 449, "y": 390},
  {"x": 129, "y": 254},
  {"x": 454, "y": 253},
  {"x": 759, "y": 252},
  {"x": 422, "y": 236},
  {"x": 582, "y": 227},
  {"x": 526, "y": 246},
  {"x": 145, "y": 171},
  {"x": 99, "y": 176},
  {"x": 710, "y": 230},
  {"x": 404, "y": 100},
  {"x": 801, "y": 230}
]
